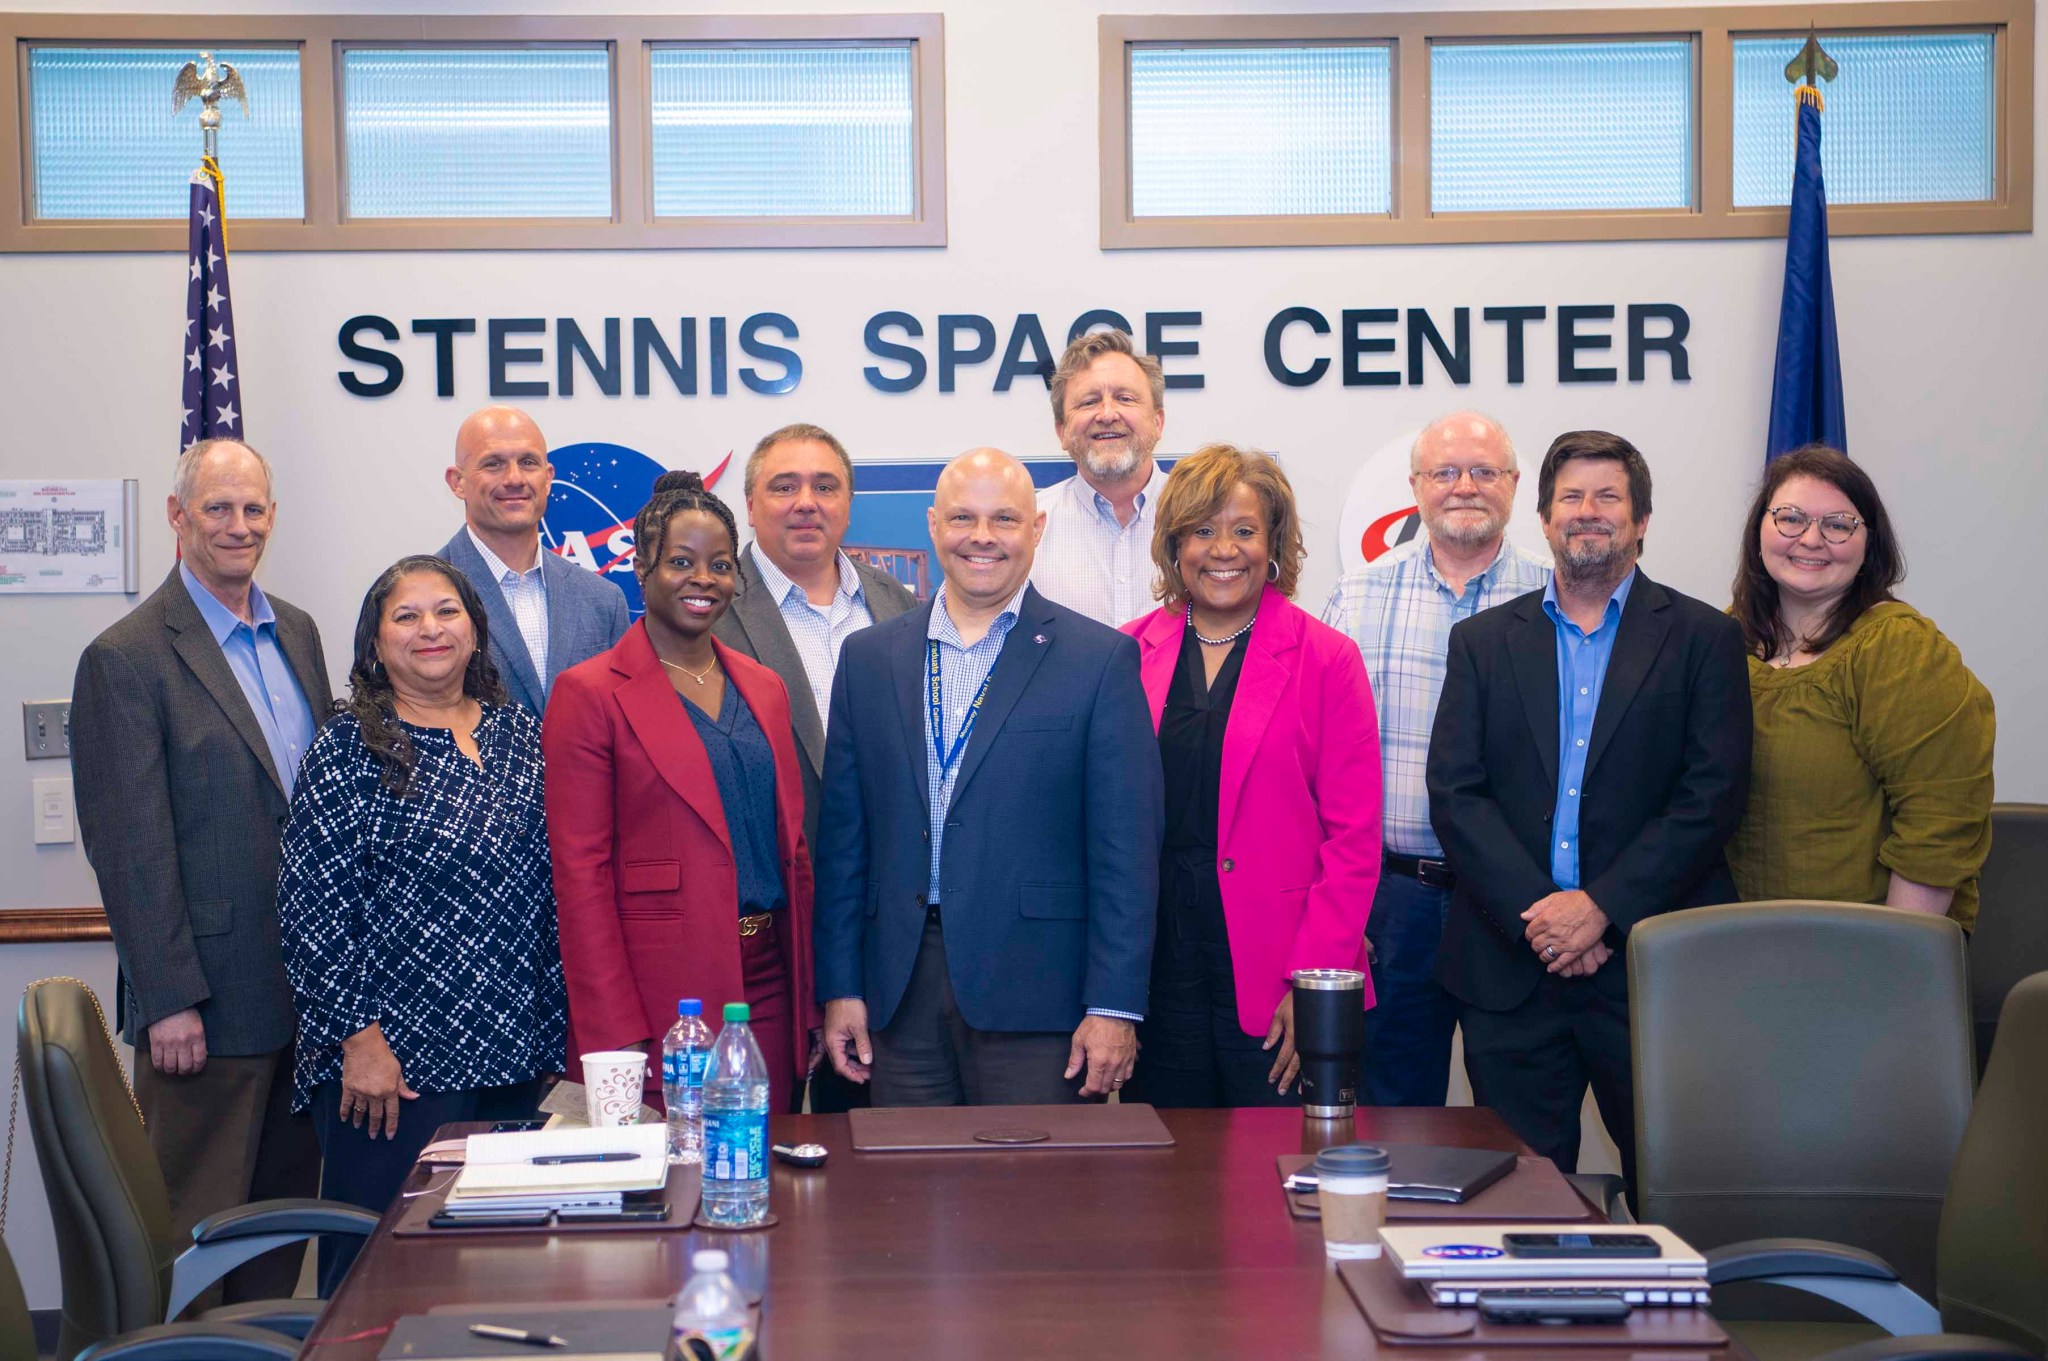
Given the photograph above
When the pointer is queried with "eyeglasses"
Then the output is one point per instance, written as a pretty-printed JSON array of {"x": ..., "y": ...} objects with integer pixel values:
[
  {"x": 1482, "y": 475},
  {"x": 1791, "y": 521}
]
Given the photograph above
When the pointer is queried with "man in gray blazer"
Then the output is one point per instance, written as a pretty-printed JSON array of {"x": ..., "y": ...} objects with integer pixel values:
[
  {"x": 189, "y": 720},
  {"x": 546, "y": 614},
  {"x": 800, "y": 597}
]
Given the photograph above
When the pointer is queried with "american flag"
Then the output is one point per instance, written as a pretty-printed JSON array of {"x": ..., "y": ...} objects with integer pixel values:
[{"x": 213, "y": 391}]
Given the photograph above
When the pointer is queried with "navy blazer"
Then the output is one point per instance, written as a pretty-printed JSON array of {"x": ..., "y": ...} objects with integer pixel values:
[
  {"x": 1667, "y": 777},
  {"x": 586, "y": 615},
  {"x": 1050, "y": 871}
]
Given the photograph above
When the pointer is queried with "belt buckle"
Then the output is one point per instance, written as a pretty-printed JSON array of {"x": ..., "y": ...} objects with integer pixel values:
[
  {"x": 1434, "y": 873},
  {"x": 754, "y": 925}
]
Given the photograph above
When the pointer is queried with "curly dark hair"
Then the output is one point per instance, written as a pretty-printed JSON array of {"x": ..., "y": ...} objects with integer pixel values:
[
  {"x": 674, "y": 493},
  {"x": 370, "y": 697},
  {"x": 1755, "y": 603}
]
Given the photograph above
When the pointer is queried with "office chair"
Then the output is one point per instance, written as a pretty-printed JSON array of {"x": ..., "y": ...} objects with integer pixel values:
[
  {"x": 1992, "y": 1254},
  {"x": 168, "y": 1342},
  {"x": 122, "y": 1271},
  {"x": 1801, "y": 1068},
  {"x": 2011, "y": 937}
]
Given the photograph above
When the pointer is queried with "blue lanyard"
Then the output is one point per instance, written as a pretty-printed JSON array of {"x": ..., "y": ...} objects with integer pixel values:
[{"x": 936, "y": 692}]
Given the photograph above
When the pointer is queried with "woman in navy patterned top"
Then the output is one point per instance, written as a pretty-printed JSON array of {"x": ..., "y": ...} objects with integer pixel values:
[{"x": 415, "y": 901}]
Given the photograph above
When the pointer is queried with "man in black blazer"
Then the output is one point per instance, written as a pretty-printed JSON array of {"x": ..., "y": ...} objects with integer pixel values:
[
  {"x": 1589, "y": 761},
  {"x": 189, "y": 719}
]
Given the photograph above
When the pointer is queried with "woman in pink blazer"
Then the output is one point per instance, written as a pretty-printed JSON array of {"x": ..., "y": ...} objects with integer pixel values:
[{"x": 1272, "y": 760}]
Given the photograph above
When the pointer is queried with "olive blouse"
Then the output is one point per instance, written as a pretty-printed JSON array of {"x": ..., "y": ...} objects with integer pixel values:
[{"x": 1871, "y": 759}]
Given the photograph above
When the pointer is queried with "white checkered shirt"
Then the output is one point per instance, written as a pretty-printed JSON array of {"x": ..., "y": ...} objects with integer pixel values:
[
  {"x": 1090, "y": 563},
  {"x": 1399, "y": 610},
  {"x": 818, "y": 634},
  {"x": 527, "y": 594}
]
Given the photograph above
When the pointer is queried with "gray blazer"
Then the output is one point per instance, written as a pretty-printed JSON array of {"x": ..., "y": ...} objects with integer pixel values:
[
  {"x": 586, "y": 615},
  {"x": 180, "y": 808},
  {"x": 754, "y": 625}
]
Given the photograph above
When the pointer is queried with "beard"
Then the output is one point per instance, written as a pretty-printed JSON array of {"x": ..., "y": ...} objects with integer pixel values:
[
  {"x": 1463, "y": 532},
  {"x": 1112, "y": 463},
  {"x": 1605, "y": 560}
]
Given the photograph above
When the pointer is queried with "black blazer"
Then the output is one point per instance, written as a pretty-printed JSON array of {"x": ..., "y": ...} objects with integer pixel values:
[{"x": 1667, "y": 775}]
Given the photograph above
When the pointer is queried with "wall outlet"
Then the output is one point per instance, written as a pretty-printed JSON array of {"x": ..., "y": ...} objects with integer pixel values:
[
  {"x": 56, "y": 818},
  {"x": 46, "y": 728}
]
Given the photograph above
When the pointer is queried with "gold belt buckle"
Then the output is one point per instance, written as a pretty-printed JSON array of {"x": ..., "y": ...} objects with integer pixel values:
[{"x": 755, "y": 925}]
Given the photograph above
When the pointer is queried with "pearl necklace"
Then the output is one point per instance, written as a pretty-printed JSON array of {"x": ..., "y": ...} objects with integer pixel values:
[
  {"x": 1227, "y": 639},
  {"x": 678, "y": 666}
]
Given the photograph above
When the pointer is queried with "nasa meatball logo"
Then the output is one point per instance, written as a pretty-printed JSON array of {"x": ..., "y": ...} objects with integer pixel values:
[
  {"x": 598, "y": 490},
  {"x": 1380, "y": 514},
  {"x": 1462, "y": 1252}
]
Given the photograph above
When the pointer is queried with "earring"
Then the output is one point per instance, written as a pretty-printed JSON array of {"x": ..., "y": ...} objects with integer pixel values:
[{"x": 1272, "y": 572}]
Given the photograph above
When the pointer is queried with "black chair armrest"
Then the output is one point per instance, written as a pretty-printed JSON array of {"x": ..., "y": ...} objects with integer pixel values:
[
  {"x": 292, "y": 1318},
  {"x": 1604, "y": 1190},
  {"x": 263, "y": 1217},
  {"x": 1759, "y": 1258},
  {"x": 1932, "y": 1347},
  {"x": 195, "y": 1342}
]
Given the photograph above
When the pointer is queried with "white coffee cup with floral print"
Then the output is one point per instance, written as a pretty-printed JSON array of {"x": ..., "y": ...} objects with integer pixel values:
[{"x": 612, "y": 1081}]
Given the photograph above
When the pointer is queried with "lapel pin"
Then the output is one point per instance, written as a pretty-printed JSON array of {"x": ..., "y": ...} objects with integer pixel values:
[{"x": 1038, "y": 638}]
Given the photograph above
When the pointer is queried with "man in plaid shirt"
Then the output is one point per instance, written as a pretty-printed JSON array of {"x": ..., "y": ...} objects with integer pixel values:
[{"x": 1400, "y": 608}]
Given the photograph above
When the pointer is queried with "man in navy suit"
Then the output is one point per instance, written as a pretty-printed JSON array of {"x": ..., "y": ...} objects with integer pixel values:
[
  {"x": 546, "y": 613},
  {"x": 988, "y": 849}
]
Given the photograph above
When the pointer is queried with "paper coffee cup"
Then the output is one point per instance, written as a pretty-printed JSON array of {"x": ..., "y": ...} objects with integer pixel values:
[
  {"x": 612, "y": 1081},
  {"x": 1351, "y": 1188}
]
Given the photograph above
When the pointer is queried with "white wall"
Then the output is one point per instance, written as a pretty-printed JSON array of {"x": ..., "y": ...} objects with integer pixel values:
[{"x": 1943, "y": 338}]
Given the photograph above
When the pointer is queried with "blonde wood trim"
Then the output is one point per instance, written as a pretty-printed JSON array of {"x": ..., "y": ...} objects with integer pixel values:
[
  {"x": 1711, "y": 28},
  {"x": 52, "y": 925},
  {"x": 321, "y": 39},
  {"x": 16, "y": 171}
]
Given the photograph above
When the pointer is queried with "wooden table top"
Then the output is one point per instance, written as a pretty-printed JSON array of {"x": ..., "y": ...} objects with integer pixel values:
[{"x": 1185, "y": 1252}]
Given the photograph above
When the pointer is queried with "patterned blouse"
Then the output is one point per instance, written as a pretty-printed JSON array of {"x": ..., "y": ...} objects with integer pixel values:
[{"x": 433, "y": 914}]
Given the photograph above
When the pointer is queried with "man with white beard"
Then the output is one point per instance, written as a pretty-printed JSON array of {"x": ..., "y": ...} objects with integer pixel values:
[
  {"x": 1400, "y": 608},
  {"x": 1107, "y": 412}
]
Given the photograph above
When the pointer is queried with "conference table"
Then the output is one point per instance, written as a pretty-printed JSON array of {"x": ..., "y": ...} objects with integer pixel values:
[{"x": 1184, "y": 1252}]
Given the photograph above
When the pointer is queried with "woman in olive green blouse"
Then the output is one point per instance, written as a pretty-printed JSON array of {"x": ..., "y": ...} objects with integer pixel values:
[{"x": 1871, "y": 781}]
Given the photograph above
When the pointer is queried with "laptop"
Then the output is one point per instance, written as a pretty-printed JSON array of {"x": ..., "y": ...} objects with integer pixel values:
[{"x": 1460, "y": 1250}]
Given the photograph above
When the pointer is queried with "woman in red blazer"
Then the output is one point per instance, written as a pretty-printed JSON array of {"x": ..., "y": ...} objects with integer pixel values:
[
  {"x": 675, "y": 813},
  {"x": 1272, "y": 759}
]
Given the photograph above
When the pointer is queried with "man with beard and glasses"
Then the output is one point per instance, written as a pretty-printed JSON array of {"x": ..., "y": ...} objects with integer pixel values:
[
  {"x": 1590, "y": 760},
  {"x": 1399, "y": 609},
  {"x": 1107, "y": 412}
]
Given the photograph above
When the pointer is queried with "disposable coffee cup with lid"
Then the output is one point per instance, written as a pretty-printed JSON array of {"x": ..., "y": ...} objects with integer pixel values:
[{"x": 1351, "y": 1187}]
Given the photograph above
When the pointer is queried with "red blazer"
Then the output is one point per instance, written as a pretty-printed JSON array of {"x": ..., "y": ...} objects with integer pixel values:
[{"x": 645, "y": 883}]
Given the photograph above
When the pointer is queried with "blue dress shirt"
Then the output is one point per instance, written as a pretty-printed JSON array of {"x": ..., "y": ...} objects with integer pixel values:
[
  {"x": 266, "y": 678},
  {"x": 743, "y": 765},
  {"x": 1582, "y": 659},
  {"x": 962, "y": 669}
]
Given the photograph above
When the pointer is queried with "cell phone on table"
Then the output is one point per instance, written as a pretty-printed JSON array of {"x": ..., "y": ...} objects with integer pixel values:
[
  {"x": 1580, "y": 1245},
  {"x": 631, "y": 1214},
  {"x": 1570, "y": 1309},
  {"x": 520, "y": 1219}
]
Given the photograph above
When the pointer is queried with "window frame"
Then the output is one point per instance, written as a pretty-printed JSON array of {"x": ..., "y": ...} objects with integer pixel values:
[
  {"x": 1712, "y": 30},
  {"x": 321, "y": 40}
]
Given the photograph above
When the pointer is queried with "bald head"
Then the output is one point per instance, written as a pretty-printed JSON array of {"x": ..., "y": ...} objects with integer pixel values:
[
  {"x": 985, "y": 524},
  {"x": 1464, "y": 431},
  {"x": 502, "y": 475}
]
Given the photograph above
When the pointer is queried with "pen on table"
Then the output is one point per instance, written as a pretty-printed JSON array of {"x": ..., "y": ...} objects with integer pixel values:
[
  {"x": 492, "y": 1330},
  {"x": 556, "y": 1159}
]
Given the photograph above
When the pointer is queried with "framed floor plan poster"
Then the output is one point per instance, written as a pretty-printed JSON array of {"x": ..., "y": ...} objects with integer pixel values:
[{"x": 73, "y": 537}]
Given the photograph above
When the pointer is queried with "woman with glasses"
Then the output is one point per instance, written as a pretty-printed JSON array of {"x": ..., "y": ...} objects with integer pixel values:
[{"x": 1871, "y": 779}]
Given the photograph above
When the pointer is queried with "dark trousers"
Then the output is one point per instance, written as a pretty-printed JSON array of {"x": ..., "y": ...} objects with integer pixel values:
[
  {"x": 1408, "y": 1031},
  {"x": 367, "y": 1172},
  {"x": 771, "y": 1012},
  {"x": 929, "y": 1056},
  {"x": 1192, "y": 1050},
  {"x": 1532, "y": 1064},
  {"x": 226, "y": 1136}
]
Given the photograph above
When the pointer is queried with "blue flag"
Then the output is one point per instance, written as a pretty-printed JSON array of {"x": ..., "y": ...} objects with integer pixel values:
[
  {"x": 213, "y": 391},
  {"x": 1806, "y": 389}
]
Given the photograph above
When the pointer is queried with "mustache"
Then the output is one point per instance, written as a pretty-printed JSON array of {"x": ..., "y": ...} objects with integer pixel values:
[{"x": 1589, "y": 527}]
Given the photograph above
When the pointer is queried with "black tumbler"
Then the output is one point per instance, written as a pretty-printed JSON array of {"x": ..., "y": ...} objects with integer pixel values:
[{"x": 1329, "y": 1034}]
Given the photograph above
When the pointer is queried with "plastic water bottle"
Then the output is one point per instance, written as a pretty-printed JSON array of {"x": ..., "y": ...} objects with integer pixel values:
[
  {"x": 711, "y": 1305},
  {"x": 736, "y": 1125},
  {"x": 684, "y": 1052}
]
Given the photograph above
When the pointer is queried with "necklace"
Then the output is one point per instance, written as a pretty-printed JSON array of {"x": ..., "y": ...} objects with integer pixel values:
[
  {"x": 693, "y": 675},
  {"x": 1227, "y": 639}
]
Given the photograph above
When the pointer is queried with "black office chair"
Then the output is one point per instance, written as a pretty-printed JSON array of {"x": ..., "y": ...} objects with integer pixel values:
[
  {"x": 1992, "y": 1255},
  {"x": 122, "y": 1271},
  {"x": 2011, "y": 937}
]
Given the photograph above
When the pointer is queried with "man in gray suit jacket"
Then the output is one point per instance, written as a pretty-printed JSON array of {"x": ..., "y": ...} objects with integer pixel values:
[
  {"x": 189, "y": 719},
  {"x": 800, "y": 598},
  {"x": 546, "y": 614}
]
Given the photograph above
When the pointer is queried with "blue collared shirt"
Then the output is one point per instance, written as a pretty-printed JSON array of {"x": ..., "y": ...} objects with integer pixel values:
[
  {"x": 817, "y": 634},
  {"x": 260, "y": 668},
  {"x": 962, "y": 669},
  {"x": 1581, "y": 670}
]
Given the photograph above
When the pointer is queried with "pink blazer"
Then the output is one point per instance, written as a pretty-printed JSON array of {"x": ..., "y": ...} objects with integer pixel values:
[{"x": 1298, "y": 812}]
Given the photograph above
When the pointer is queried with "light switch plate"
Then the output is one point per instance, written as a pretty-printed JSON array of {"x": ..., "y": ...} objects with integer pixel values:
[
  {"x": 46, "y": 728},
  {"x": 56, "y": 819}
]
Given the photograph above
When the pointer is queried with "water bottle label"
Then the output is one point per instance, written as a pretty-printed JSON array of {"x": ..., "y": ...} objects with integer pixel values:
[
  {"x": 685, "y": 1067},
  {"x": 725, "y": 1343},
  {"x": 735, "y": 1145}
]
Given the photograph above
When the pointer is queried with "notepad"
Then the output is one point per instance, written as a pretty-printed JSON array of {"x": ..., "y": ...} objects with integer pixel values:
[{"x": 499, "y": 1168}]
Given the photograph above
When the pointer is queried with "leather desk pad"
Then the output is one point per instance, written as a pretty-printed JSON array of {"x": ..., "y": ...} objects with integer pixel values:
[
  {"x": 684, "y": 1182},
  {"x": 1534, "y": 1191},
  {"x": 1400, "y": 1313},
  {"x": 929, "y": 1129}
]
